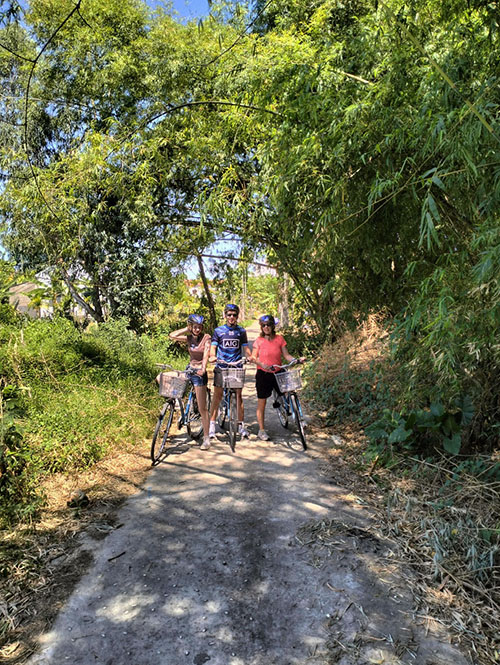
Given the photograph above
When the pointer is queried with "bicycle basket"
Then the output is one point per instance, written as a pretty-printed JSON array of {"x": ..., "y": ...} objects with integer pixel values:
[
  {"x": 233, "y": 377},
  {"x": 172, "y": 384},
  {"x": 289, "y": 380}
]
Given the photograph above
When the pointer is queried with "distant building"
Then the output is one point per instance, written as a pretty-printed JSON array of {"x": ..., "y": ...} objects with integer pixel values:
[
  {"x": 21, "y": 296},
  {"x": 194, "y": 287}
]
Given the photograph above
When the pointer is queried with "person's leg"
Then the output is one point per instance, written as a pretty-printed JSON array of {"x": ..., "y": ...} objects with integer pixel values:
[
  {"x": 241, "y": 408},
  {"x": 241, "y": 414},
  {"x": 261, "y": 408},
  {"x": 215, "y": 403},
  {"x": 201, "y": 398},
  {"x": 217, "y": 396},
  {"x": 263, "y": 383}
]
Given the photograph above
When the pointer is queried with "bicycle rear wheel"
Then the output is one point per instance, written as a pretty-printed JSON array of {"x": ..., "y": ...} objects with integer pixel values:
[
  {"x": 299, "y": 419},
  {"x": 194, "y": 424},
  {"x": 233, "y": 421},
  {"x": 161, "y": 431},
  {"x": 281, "y": 408}
]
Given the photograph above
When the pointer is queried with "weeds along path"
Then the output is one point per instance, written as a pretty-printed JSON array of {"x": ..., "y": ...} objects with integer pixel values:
[{"x": 213, "y": 564}]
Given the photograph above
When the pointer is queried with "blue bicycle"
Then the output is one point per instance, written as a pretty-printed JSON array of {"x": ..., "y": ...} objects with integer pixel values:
[
  {"x": 288, "y": 403},
  {"x": 172, "y": 386},
  {"x": 233, "y": 377}
]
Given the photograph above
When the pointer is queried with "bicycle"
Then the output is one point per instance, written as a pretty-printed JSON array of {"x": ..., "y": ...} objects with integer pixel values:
[
  {"x": 288, "y": 402},
  {"x": 233, "y": 377},
  {"x": 172, "y": 386}
]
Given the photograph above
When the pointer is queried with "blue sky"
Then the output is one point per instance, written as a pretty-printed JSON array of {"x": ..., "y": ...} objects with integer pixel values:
[
  {"x": 186, "y": 8},
  {"x": 191, "y": 8}
]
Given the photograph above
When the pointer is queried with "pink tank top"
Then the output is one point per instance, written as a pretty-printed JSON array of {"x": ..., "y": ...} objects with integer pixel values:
[{"x": 196, "y": 349}]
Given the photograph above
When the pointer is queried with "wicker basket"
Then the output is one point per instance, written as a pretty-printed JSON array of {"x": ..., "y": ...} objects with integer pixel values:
[
  {"x": 233, "y": 377},
  {"x": 289, "y": 380},
  {"x": 172, "y": 384}
]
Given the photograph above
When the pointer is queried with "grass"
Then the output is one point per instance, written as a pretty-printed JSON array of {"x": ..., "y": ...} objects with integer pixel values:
[
  {"x": 79, "y": 396},
  {"x": 441, "y": 510}
]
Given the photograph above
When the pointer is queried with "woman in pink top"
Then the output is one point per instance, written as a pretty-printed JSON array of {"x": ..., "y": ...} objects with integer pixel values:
[
  {"x": 268, "y": 350},
  {"x": 198, "y": 344}
]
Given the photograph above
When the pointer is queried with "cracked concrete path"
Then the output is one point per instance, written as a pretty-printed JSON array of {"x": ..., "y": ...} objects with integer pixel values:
[{"x": 206, "y": 567}]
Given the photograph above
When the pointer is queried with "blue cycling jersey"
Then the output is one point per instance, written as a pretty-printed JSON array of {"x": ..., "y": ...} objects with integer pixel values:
[{"x": 229, "y": 341}]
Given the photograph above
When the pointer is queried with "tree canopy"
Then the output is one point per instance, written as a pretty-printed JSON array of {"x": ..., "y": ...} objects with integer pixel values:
[{"x": 356, "y": 144}]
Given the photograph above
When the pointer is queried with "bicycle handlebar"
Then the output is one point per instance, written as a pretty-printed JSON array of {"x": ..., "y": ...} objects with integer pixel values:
[
  {"x": 227, "y": 363},
  {"x": 187, "y": 372},
  {"x": 295, "y": 361}
]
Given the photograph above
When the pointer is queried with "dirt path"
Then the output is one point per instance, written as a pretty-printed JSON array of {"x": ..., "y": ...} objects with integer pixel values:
[{"x": 211, "y": 565}]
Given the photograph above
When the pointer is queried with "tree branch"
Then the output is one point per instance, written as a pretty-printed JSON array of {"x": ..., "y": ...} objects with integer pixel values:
[{"x": 76, "y": 296}]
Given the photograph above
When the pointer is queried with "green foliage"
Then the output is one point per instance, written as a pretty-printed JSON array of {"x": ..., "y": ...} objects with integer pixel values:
[
  {"x": 18, "y": 492},
  {"x": 352, "y": 394},
  {"x": 71, "y": 397},
  {"x": 8, "y": 315},
  {"x": 355, "y": 144},
  {"x": 422, "y": 430},
  {"x": 447, "y": 341},
  {"x": 302, "y": 342},
  {"x": 74, "y": 426}
]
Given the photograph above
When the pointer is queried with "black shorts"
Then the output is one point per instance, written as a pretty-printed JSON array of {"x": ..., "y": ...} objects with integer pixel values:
[
  {"x": 217, "y": 377},
  {"x": 265, "y": 383}
]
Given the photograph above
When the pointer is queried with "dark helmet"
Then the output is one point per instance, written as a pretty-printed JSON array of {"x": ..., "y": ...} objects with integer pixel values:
[
  {"x": 196, "y": 318},
  {"x": 232, "y": 308},
  {"x": 267, "y": 318}
]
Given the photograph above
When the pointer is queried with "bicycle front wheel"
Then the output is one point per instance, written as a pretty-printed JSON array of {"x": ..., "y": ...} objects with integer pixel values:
[
  {"x": 233, "y": 422},
  {"x": 223, "y": 411},
  {"x": 194, "y": 423},
  {"x": 299, "y": 418},
  {"x": 281, "y": 408},
  {"x": 161, "y": 431}
]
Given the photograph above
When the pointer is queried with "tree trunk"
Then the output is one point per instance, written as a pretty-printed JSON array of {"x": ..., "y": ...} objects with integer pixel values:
[{"x": 96, "y": 315}]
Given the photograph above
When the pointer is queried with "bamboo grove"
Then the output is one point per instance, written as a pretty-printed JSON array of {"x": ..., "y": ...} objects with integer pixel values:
[{"x": 355, "y": 144}]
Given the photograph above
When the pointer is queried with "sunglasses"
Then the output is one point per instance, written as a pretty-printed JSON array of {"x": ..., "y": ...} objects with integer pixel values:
[
  {"x": 231, "y": 314},
  {"x": 266, "y": 325}
]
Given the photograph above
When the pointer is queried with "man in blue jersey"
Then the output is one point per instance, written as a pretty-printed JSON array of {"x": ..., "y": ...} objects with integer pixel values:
[{"x": 229, "y": 342}]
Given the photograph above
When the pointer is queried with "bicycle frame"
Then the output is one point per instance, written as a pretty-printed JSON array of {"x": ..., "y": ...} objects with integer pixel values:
[
  {"x": 290, "y": 405},
  {"x": 189, "y": 417},
  {"x": 228, "y": 408}
]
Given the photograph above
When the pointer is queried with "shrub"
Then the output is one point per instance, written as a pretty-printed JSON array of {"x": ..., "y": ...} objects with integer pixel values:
[
  {"x": 78, "y": 396},
  {"x": 18, "y": 497},
  {"x": 8, "y": 315},
  {"x": 422, "y": 430},
  {"x": 302, "y": 342},
  {"x": 352, "y": 379}
]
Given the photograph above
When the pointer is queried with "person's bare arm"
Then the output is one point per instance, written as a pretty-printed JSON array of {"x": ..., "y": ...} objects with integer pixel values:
[
  {"x": 206, "y": 355},
  {"x": 288, "y": 357},
  {"x": 179, "y": 335},
  {"x": 212, "y": 355},
  {"x": 254, "y": 358}
]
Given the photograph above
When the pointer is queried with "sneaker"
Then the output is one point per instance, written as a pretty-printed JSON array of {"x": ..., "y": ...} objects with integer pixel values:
[
  {"x": 206, "y": 443},
  {"x": 263, "y": 435},
  {"x": 276, "y": 404},
  {"x": 243, "y": 432},
  {"x": 211, "y": 432}
]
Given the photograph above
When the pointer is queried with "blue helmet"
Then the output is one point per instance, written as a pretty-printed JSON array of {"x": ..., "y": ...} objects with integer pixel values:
[
  {"x": 196, "y": 318},
  {"x": 267, "y": 318},
  {"x": 232, "y": 308}
]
